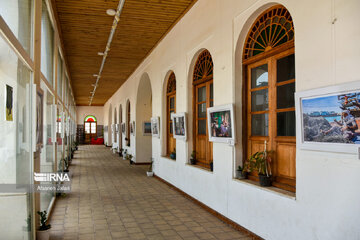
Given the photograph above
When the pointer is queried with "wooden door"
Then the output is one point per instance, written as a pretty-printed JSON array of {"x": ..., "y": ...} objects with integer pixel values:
[
  {"x": 203, "y": 99},
  {"x": 171, "y": 108},
  {"x": 271, "y": 114},
  {"x": 90, "y": 131}
]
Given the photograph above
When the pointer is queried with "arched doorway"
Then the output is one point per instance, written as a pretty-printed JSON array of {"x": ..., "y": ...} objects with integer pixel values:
[
  {"x": 203, "y": 98},
  {"x": 143, "y": 114},
  {"x": 109, "y": 132},
  {"x": 90, "y": 127},
  {"x": 268, "y": 60},
  {"x": 170, "y": 108},
  {"x": 120, "y": 130},
  {"x": 128, "y": 118},
  {"x": 115, "y": 129}
]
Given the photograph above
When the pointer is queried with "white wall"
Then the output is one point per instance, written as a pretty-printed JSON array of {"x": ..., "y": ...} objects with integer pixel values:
[
  {"x": 83, "y": 111},
  {"x": 327, "y": 196}
]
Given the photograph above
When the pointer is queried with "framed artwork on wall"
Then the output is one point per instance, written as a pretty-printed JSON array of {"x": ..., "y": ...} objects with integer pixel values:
[
  {"x": 146, "y": 129},
  {"x": 179, "y": 125},
  {"x": 123, "y": 128},
  {"x": 221, "y": 124},
  {"x": 9, "y": 103},
  {"x": 329, "y": 118},
  {"x": 155, "y": 126}
]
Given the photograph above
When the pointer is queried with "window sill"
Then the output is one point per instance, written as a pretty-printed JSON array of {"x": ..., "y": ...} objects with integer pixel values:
[
  {"x": 271, "y": 189},
  {"x": 199, "y": 167}
]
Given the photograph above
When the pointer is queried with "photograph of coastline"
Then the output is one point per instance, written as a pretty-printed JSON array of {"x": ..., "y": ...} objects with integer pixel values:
[{"x": 333, "y": 119}]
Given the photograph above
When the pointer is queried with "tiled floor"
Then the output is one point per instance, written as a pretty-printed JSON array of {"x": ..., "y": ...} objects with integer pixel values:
[{"x": 112, "y": 199}]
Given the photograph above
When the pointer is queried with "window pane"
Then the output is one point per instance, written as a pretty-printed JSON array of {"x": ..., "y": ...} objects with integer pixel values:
[
  {"x": 285, "y": 96},
  {"x": 93, "y": 127},
  {"x": 172, "y": 103},
  {"x": 59, "y": 75},
  {"x": 18, "y": 16},
  {"x": 259, "y": 100},
  {"x": 211, "y": 91},
  {"x": 286, "y": 123},
  {"x": 286, "y": 68},
  {"x": 171, "y": 127},
  {"x": 202, "y": 110},
  {"x": 47, "y": 45},
  {"x": 260, "y": 125},
  {"x": 201, "y": 94},
  {"x": 259, "y": 76},
  {"x": 202, "y": 127}
]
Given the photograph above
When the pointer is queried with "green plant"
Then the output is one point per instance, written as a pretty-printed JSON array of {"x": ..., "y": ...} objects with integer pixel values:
[
  {"x": 240, "y": 169},
  {"x": 150, "y": 166},
  {"x": 260, "y": 162},
  {"x": 174, "y": 151},
  {"x": 193, "y": 154},
  {"x": 43, "y": 221}
]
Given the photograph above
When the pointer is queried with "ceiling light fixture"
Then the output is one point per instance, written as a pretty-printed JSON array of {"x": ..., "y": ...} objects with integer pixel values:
[{"x": 110, "y": 12}]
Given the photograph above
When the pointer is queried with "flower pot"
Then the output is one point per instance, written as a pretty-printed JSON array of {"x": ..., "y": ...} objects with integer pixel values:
[
  {"x": 241, "y": 174},
  {"x": 192, "y": 161},
  {"x": 264, "y": 180},
  {"x": 149, "y": 174},
  {"x": 173, "y": 155},
  {"x": 43, "y": 235}
]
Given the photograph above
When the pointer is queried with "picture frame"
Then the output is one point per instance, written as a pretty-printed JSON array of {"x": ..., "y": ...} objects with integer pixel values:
[
  {"x": 123, "y": 128},
  {"x": 9, "y": 106},
  {"x": 328, "y": 118},
  {"x": 179, "y": 125},
  {"x": 39, "y": 118},
  {"x": 146, "y": 128},
  {"x": 155, "y": 127},
  {"x": 133, "y": 128},
  {"x": 221, "y": 124}
]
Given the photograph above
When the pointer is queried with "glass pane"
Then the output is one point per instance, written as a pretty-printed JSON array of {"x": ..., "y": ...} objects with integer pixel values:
[
  {"x": 87, "y": 127},
  {"x": 15, "y": 140},
  {"x": 171, "y": 127},
  {"x": 201, "y": 94},
  {"x": 211, "y": 91},
  {"x": 47, "y": 45},
  {"x": 286, "y": 68},
  {"x": 93, "y": 128},
  {"x": 202, "y": 110},
  {"x": 18, "y": 16},
  {"x": 285, "y": 96},
  {"x": 172, "y": 103},
  {"x": 202, "y": 127},
  {"x": 259, "y": 76},
  {"x": 286, "y": 123},
  {"x": 259, "y": 100},
  {"x": 260, "y": 125},
  {"x": 211, "y": 103},
  {"x": 59, "y": 75}
]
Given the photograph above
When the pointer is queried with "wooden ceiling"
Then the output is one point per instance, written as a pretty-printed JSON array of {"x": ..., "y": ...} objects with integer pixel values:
[{"x": 85, "y": 29}]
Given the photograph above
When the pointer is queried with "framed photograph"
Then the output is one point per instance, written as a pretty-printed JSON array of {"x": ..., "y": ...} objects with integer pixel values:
[
  {"x": 146, "y": 129},
  {"x": 155, "y": 126},
  {"x": 123, "y": 128},
  {"x": 221, "y": 124},
  {"x": 9, "y": 103},
  {"x": 329, "y": 118},
  {"x": 39, "y": 118},
  {"x": 179, "y": 125}
]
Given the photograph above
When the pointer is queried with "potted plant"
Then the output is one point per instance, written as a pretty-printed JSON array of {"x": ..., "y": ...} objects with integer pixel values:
[
  {"x": 125, "y": 154},
  {"x": 260, "y": 162},
  {"x": 241, "y": 173},
  {"x": 121, "y": 152},
  {"x": 212, "y": 166},
  {"x": 193, "y": 158},
  {"x": 150, "y": 173},
  {"x": 173, "y": 154},
  {"x": 129, "y": 157},
  {"x": 43, "y": 231}
]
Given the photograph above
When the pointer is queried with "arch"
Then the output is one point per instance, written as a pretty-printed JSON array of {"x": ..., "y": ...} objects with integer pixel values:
[
  {"x": 143, "y": 114},
  {"x": 266, "y": 42},
  {"x": 202, "y": 89},
  {"x": 169, "y": 99}
]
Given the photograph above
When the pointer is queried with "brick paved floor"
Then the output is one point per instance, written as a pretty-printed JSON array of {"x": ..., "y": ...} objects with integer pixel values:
[{"x": 112, "y": 199}]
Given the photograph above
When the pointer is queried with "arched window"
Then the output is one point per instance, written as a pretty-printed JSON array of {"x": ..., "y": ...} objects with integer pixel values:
[
  {"x": 170, "y": 108},
  {"x": 269, "y": 63},
  {"x": 203, "y": 98},
  {"x": 90, "y": 128}
]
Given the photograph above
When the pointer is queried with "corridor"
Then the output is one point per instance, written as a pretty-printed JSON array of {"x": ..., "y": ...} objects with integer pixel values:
[{"x": 112, "y": 199}]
